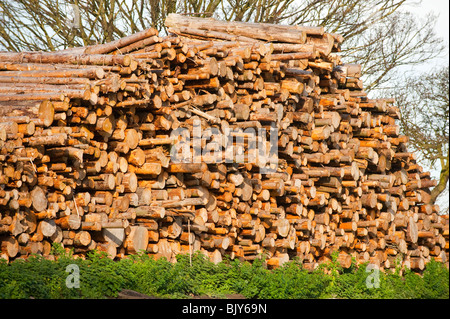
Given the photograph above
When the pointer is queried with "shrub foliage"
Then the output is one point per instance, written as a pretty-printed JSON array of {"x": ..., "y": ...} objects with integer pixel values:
[{"x": 100, "y": 277}]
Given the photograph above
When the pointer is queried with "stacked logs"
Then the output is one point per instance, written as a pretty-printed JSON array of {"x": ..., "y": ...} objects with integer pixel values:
[{"x": 90, "y": 154}]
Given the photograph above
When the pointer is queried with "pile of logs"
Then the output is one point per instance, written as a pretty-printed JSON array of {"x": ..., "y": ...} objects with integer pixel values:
[{"x": 86, "y": 136}]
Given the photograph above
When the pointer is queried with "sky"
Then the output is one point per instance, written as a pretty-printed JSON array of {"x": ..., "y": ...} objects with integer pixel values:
[{"x": 440, "y": 8}]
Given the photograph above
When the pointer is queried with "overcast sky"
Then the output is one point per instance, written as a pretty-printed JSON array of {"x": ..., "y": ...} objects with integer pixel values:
[{"x": 439, "y": 7}]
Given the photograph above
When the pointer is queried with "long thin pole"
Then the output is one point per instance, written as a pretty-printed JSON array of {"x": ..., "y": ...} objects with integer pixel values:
[{"x": 189, "y": 240}]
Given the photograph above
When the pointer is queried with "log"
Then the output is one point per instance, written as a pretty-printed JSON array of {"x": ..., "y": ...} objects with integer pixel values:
[
  {"x": 136, "y": 240},
  {"x": 250, "y": 30},
  {"x": 47, "y": 227},
  {"x": 9, "y": 246},
  {"x": 69, "y": 222},
  {"x": 69, "y": 58},
  {"x": 108, "y": 248},
  {"x": 150, "y": 211},
  {"x": 82, "y": 238},
  {"x": 113, "y": 236},
  {"x": 41, "y": 113},
  {"x": 120, "y": 43}
]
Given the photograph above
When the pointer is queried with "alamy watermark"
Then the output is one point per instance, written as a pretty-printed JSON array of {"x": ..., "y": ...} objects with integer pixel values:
[
  {"x": 373, "y": 279},
  {"x": 73, "y": 20},
  {"x": 73, "y": 279},
  {"x": 256, "y": 146}
]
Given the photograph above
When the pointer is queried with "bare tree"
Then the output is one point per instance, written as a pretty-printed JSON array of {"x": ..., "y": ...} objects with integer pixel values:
[
  {"x": 48, "y": 25},
  {"x": 399, "y": 41},
  {"x": 424, "y": 105}
]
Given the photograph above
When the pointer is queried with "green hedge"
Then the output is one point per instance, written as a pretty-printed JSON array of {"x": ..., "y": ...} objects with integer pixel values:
[{"x": 101, "y": 277}]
